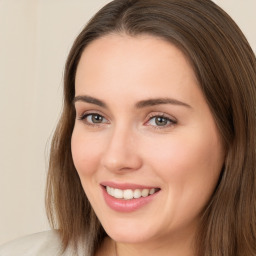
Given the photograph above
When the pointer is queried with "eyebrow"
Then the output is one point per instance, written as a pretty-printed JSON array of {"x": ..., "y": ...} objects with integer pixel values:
[
  {"x": 160, "y": 101},
  {"x": 89, "y": 99},
  {"x": 140, "y": 104}
]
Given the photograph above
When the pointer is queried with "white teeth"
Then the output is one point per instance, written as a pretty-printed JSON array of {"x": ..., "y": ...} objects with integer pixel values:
[
  {"x": 112, "y": 191},
  {"x": 145, "y": 192},
  {"x": 137, "y": 193},
  {"x": 152, "y": 191},
  {"x": 118, "y": 193},
  {"x": 129, "y": 193}
]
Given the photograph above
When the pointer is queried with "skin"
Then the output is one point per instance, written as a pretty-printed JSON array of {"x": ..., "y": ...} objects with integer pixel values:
[{"x": 183, "y": 156}]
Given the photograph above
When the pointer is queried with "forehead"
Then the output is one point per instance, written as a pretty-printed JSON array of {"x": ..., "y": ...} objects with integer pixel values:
[
  {"x": 114, "y": 47},
  {"x": 144, "y": 66}
]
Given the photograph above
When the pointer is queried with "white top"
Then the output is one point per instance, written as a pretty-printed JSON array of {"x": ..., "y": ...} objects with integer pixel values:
[{"x": 41, "y": 244}]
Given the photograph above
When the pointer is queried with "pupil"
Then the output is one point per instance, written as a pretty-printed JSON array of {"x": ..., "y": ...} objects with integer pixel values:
[
  {"x": 161, "y": 121},
  {"x": 97, "y": 118}
]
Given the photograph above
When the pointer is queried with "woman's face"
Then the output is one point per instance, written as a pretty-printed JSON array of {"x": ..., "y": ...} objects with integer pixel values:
[{"x": 145, "y": 144}]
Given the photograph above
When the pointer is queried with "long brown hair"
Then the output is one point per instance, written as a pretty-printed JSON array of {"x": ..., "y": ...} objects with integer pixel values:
[{"x": 225, "y": 67}]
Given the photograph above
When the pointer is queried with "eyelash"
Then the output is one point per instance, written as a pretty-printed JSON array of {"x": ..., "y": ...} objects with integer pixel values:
[
  {"x": 164, "y": 116},
  {"x": 84, "y": 116},
  {"x": 152, "y": 116}
]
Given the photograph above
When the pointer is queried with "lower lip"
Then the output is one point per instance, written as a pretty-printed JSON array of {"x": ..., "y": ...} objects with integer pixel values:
[{"x": 122, "y": 205}]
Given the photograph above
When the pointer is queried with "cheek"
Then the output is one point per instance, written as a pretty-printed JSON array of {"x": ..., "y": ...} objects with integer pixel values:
[
  {"x": 189, "y": 166},
  {"x": 85, "y": 153},
  {"x": 186, "y": 155}
]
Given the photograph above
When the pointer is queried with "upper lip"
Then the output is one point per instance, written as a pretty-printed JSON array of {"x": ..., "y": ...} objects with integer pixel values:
[{"x": 124, "y": 186}]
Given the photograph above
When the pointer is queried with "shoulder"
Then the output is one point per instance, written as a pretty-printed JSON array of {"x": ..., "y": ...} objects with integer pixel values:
[{"x": 40, "y": 244}]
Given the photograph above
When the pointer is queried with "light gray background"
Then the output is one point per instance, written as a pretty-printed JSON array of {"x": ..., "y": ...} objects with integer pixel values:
[{"x": 35, "y": 37}]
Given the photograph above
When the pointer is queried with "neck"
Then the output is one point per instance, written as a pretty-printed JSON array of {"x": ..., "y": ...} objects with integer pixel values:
[
  {"x": 177, "y": 248},
  {"x": 178, "y": 245}
]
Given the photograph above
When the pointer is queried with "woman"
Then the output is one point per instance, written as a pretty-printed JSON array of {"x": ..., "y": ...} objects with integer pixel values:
[{"x": 155, "y": 151}]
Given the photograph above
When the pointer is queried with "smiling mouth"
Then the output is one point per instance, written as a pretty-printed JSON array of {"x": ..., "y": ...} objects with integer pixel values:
[{"x": 128, "y": 194}]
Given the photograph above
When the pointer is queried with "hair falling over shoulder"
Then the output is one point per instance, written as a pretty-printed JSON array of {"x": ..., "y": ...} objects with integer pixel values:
[{"x": 225, "y": 67}]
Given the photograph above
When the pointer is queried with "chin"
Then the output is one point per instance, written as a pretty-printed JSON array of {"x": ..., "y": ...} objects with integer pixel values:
[
  {"x": 129, "y": 237},
  {"x": 129, "y": 232}
]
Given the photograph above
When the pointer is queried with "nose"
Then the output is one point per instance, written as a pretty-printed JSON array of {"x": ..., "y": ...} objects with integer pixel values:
[{"x": 121, "y": 152}]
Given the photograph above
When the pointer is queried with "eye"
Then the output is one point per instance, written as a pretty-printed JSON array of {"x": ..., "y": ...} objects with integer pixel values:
[
  {"x": 93, "y": 119},
  {"x": 161, "y": 121}
]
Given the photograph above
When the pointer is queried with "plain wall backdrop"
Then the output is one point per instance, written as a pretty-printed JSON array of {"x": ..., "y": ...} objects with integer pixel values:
[{"x": 35, "y": 37}]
